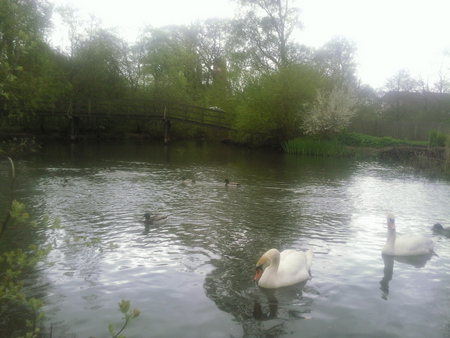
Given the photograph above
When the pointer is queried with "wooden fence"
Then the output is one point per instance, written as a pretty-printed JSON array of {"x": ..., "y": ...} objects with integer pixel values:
[{"x": 139, "y": 110}]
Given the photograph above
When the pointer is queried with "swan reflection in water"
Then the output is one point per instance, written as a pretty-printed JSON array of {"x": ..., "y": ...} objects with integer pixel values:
[
  {"x": 388, "y": 271},
  {"x": 290, "y": 292},
  {"x": 272, "y": 308},
  {"x": 261, "y": 312}
]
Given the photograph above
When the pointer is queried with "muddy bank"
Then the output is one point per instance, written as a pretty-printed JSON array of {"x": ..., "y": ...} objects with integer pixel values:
[{"x": 400, "y": 153}]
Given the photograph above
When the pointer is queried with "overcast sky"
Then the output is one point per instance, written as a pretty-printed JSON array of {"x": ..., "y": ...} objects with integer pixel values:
[{"x": 390, "y": 34}]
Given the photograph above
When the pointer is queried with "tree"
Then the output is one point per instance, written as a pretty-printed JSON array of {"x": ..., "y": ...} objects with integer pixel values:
[
  {"x": 337, "y": 60},
  {"x": 264, "y": 32},
  {"x": 402, "y": 81},
  {"x": 269, "y": 112},
  {"x": 369, "y": 104},
  {"x": 22, "y": 25},
  {"x": 399, "y": 84},
  {"x": 330, "y": 113},
  {"x": 130, "y": 65},
  {"x": 214, "y": 55},
  {"x": 96, "y": 71},
  {"x": 442, "y": 84},
  {"x": 74, "y": 24},
  {"x": 30, "y": 71}
]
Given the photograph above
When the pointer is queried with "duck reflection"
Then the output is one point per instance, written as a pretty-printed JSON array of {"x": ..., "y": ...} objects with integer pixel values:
[{"x": 388, "y": 271}]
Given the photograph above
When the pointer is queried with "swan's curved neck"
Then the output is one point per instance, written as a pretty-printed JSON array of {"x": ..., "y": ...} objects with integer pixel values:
[
  {"x": 390, "y": 241},
  {"x": 274, "y": 259}
]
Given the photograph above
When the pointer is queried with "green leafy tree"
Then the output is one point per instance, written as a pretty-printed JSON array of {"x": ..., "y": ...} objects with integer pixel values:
[
  {"x": 264, "y": 31},
  {"x": 29, "y": 71},
  {"x": 96, "y": 71},
  {"x": 169, "y": 64},
  {"x": 212, "y": 49},
  {"x": 130, "y": 65},
  {"x": 369, "y": 104},
  {"x": 336, "y": 59},
  {"x": 22, "y": 24},
  {"x": 269, "y": 110}
]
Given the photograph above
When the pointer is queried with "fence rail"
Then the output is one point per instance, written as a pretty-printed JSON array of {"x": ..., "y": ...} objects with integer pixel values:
[{"x": 138, "y": 110}]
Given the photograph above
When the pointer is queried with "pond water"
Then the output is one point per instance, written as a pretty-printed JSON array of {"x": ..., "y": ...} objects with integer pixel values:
[{"x": 193, "y": 276}]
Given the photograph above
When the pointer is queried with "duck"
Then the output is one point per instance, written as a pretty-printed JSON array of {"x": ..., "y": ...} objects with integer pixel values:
[
  {"x": 407, "y": 245},
  {"x": 231, "y": 184},
  {"x": 186, "y": 181},
  {"x": 155, "y": 220},
  {"x": 275, "y": 269},
  {"x": 64, "y": 182},
  {"x": 438, "y": 228}
]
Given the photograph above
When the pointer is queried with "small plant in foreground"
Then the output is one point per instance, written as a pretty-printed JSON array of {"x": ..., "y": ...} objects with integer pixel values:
[{"x": 124, "y": 307}]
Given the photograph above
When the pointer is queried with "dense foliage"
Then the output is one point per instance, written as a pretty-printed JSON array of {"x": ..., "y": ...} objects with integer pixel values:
[{"x": 250, "y": 66}]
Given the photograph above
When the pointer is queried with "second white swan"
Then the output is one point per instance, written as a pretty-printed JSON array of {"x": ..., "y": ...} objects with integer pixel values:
[{"x": 408, "y": 245}]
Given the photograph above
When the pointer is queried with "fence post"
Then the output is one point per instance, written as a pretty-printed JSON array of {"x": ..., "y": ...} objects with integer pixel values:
[{"x": 166, "y": 128}]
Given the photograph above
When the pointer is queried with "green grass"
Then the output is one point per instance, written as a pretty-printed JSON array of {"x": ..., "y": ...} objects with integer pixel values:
[
  {"x": 312, "y": 147},
  {"x": 339, "y": 145},
  {"x": 362, "y": 140}
]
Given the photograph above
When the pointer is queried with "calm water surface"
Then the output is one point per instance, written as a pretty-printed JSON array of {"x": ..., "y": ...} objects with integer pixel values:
[{"x": 193, "y": 276}]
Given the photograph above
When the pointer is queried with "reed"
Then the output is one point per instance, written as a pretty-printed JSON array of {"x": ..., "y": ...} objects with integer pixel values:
[
  {"x": 312, "y": 147},
  {"x": 437, "y": 138}
]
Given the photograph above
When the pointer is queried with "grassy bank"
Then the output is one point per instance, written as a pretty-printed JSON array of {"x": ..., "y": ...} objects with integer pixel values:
[
  {"x": 313, "y": 147},
  {"x": 432, "y": 157},
  {"x": 350, "y": 144}
]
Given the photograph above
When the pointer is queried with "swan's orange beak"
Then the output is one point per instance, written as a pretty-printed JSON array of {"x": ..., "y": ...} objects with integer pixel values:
[{"x": 259, "y": 272}]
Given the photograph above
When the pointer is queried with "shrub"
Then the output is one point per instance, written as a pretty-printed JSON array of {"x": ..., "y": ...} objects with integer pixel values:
[{"x": 330, "y": 113}]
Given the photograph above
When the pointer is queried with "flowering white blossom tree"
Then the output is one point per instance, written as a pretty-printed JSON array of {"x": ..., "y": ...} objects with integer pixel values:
[{"x": 330, "y": 113}]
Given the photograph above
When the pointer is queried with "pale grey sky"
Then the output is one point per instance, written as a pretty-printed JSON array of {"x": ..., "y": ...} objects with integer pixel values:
[{"x": 390, "y": 34}]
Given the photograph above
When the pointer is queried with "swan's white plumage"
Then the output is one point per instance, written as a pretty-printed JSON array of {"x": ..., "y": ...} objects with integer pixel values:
[
  {"x": 408, "y": 245},
  {"x": 276, "y": 270}
]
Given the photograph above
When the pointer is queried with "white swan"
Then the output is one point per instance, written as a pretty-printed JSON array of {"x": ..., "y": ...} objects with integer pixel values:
[
  {"x": 274, "y": 270},
  {"x": 408, "y": 245}
]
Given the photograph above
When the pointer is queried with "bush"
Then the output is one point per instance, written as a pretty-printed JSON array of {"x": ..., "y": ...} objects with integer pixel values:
[{"x": 330, "y": 113}]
